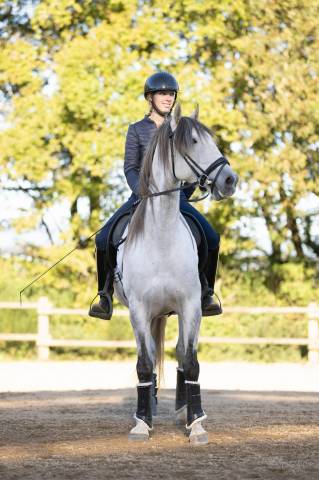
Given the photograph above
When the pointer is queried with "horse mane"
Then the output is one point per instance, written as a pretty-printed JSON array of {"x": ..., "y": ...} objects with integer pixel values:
[{"x": 183, "y": 141}]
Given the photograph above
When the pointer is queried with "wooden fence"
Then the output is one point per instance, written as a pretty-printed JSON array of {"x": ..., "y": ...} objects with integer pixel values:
[{"x": 44, "y": 340}]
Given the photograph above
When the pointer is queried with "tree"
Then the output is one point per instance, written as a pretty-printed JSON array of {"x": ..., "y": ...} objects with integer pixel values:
[{"x": 71, "y": 77}]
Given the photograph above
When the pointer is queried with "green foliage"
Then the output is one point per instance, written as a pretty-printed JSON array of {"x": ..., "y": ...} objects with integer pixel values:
[
  {"x": 71, "y": 80},
  {"x": 234, "y": 287}
]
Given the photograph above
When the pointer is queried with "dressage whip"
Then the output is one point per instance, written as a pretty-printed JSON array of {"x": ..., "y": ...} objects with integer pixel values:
[{"x": 80, "y": 244}]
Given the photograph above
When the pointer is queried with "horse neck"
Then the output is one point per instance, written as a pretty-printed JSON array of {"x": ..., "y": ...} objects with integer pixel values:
[{"x": 166, "y": 208}]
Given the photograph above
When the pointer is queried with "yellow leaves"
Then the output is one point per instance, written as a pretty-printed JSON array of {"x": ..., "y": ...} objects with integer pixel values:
[
  {"x": 91, "y": 152},
  {"x": 292, "y": 160},
  {"x": 17, "y": 59},
  {"x": 57, "y": 12},
  {"x": 27, "y": 143},
  {"x": 28, "y": 221},
  {"x": 251, "y": 65}
]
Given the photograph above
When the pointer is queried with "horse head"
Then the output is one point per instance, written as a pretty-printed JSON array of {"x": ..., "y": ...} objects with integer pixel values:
[{"x": 196, "y": 157}]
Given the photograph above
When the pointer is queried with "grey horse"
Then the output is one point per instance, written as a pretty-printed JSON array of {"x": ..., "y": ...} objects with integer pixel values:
[{"x": 158, "y": 264}]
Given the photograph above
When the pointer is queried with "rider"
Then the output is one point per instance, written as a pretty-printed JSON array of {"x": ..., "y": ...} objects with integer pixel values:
[{"x": 160, "y": 91}]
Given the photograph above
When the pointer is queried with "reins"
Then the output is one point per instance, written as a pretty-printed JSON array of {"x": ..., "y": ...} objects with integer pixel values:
[{"x": 171, "y": 190}]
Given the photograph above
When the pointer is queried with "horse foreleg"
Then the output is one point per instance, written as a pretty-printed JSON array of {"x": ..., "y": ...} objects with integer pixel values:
[
  {"x": 195, "y": 413},
  {"x": 144, "y": 367}
]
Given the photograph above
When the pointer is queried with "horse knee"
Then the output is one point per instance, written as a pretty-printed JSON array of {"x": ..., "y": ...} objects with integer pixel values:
[{"x": 191, "y": 365}]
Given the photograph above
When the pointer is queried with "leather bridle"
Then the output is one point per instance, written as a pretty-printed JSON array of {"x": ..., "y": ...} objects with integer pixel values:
[{"x": 201, "y": 175}]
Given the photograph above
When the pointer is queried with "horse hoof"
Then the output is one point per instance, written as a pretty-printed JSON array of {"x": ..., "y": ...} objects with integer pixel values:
[
  {"x": 198, "y": 439},
  {"x": 181, "y": 415},
  {"x": 141, "y": 431},
  {"x": 138, "y": 437},
  {"x": 198, "y": 435}
]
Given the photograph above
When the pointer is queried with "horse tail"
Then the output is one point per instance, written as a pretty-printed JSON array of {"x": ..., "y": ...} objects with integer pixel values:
[{"x": 158, "y": 333}]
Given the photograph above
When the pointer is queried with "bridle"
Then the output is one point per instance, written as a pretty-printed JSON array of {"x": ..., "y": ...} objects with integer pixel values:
[{"x": 201, "y": 175}]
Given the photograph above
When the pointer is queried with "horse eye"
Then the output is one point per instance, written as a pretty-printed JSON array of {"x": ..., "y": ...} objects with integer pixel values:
[{"x": 194, "y": 140}]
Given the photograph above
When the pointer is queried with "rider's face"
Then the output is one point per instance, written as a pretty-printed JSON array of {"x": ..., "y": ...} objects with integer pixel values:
[{"x": 164, "y": 100}]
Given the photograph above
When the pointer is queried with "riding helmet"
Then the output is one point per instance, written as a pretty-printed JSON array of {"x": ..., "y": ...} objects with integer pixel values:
[{"x": 160, "y": 81}]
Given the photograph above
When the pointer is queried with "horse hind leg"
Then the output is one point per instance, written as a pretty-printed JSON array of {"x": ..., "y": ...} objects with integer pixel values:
[{"x": 154, "y": 394}]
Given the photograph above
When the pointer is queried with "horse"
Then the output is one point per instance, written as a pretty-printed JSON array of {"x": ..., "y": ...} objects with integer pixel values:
[{"x": 158, "y": 265}]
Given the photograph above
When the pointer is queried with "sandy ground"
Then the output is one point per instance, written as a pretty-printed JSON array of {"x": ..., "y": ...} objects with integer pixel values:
[{"x": 83, "y": 434}]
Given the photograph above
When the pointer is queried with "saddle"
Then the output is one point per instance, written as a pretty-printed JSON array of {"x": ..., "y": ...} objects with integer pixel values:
[{"x": 117, "y": 230}]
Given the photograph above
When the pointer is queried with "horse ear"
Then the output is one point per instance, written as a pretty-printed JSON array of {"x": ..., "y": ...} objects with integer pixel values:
[
  {"x": 195, "y": 113},
  {"x": 176, "y": 116}
]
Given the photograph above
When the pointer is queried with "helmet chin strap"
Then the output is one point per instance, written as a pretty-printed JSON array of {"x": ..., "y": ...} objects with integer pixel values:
[{"x": 162, "y": 114}]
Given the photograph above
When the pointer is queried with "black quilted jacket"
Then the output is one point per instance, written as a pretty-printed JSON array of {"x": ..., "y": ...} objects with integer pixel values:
[{"x": 137, "y": 138}]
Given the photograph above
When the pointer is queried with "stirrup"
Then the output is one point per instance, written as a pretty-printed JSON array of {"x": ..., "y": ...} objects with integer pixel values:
[
  {"x": 213, "y": 309},
  {"x": 98, "y": 311}
]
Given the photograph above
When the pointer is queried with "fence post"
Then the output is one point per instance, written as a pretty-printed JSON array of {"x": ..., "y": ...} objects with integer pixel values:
[
  {"x": 44, "y": 308},
  {"x": 313, "y": 334}
]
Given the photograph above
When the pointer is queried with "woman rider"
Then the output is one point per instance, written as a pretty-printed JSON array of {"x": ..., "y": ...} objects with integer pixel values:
[{"x": 160, "y": 91}]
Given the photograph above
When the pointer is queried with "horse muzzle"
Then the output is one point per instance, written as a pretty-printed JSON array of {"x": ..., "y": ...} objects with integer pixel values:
[{"x": 225, "y": 187}]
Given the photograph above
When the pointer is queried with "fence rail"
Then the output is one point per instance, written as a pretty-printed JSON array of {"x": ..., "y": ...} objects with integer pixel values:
[{"x": 44, "y": 340}]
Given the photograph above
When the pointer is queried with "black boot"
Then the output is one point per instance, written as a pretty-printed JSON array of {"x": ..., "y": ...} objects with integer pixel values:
[
  {"x": 154, "y": 394},
  {"x": 207, "y": 279},
  {"x": 180, "y": 395},
  {"x": 144, "y": 403},
  {"x": 105, "y": 276},
  {"x": 194, "y": 405}
]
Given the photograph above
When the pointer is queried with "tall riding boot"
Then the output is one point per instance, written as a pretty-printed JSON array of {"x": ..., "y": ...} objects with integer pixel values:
[
  {"x": 207, "y": 279},
  {"x": 105, "y": 277}
]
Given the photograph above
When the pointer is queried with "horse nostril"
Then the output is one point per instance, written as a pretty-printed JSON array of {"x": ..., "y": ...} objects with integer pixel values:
[{"x": 229, "y": 180}]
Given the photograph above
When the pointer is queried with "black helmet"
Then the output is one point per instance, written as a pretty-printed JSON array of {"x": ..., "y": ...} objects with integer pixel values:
[{"x": 160, "y": 81}]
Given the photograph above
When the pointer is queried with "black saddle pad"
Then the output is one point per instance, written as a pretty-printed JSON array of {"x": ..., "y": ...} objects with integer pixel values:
[
  {"x": 118, "y": 228},
  {"x": 197, "y": 234}
]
